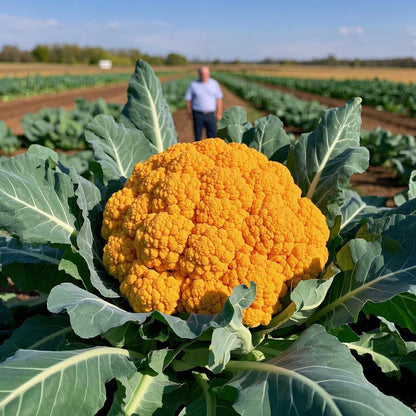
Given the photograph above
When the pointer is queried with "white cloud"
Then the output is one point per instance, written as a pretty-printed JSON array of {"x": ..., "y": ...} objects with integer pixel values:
[
  {"x": 26, "y": 32},
  {"x": 51, "y": 22},
  {"x": 25, "y": 24},
  {"x": 410, "y": 34},
  {"x": 410, "y": 30},
  {"x": 113, "y": 25},
  {"x": 351, "y": 31}
]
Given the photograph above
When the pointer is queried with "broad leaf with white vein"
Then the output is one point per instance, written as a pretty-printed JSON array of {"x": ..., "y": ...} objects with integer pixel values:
[
  {"x": 31, "y": 267},
  {"x": 233, "y": 126},
  {"x": 142, "y": 394},
  {"x": 354, "y": 209},
  {"x": 372, "y": 270},
  {"x": 60, "y": 383},
  {"x": 34, "y": 201},
  {"x": 146, "y": 109},
  {"x": 38, "y": 332},
  {"x": 116, "y": 147},
  {"x": 323, "y": 161},
  {"x": 91, "y": 316},
  {"x": 88, "y": 199},
  {"x": 316, "y": 375}
]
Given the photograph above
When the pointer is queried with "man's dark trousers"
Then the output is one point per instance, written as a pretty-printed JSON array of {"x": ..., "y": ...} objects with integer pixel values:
[{"x": 202, "y": 120}]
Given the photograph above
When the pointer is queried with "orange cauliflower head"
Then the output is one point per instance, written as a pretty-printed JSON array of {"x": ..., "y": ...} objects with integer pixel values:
[{"x": 197, "y": 220}]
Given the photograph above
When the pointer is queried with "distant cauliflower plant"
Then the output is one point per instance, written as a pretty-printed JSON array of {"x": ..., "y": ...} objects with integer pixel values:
[{"x": 199, "y": 219}]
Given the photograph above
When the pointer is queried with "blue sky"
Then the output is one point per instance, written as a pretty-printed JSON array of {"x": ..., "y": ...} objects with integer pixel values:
[{"x": 223, "y": 29}]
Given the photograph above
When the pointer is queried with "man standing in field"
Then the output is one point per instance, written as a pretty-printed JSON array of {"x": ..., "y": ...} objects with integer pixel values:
[{"x": 204, "y": 103}]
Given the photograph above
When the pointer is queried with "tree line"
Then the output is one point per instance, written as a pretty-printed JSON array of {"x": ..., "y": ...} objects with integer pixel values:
[
  {"x": 74, "y": 54},
  {"x": 332, "y": 60}
]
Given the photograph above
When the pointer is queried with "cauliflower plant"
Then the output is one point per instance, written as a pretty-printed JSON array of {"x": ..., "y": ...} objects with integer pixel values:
[{"x": 197, "y": 220}]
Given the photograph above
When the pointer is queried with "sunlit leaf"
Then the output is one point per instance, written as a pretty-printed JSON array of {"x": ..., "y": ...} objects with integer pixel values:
[
  {"x": 316, "y": 375},
  {"x": 146, "y": 109},
  {"x": 51, "y": 383}
]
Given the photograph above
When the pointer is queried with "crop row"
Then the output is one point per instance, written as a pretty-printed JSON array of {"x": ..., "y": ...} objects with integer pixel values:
[
  {"x": 58, "y": 128},
  {"x": 291, "y": 110},
  {"x": 397, "y": 151},
  {"x": 386, "y": 149},
  {"x": 390, "y": 96},
  {"x": 174, "y": 92},
  {"x": 33, "y": 85}
]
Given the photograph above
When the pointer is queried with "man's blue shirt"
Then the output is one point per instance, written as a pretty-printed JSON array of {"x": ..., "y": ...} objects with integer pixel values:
[{"x": 204, "y": 95}]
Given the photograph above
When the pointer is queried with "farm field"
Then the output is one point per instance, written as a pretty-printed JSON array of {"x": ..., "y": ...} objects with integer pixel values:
[
  {"x": 373, "y": 182},
  {"x": 24, "y": 69},
  {"x": 125, "y": 232},
  {"x": 12, "y": 111},
  {"x": 44, "y": 69},
  {"x": 405, "y": 75},
  {"x": 371, "y": 117}
]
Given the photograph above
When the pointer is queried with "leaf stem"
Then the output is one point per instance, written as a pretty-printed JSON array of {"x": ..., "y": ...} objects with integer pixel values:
[
  {"x": 210, "y": 398},
  {"x": 278, "y": 319},
  {"x": 352, "y": 294},
  {"x": 281, "y": 371},
  {"x": 138, "y": 393}
]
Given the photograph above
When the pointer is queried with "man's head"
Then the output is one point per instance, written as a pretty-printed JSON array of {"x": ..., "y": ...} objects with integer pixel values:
[{"x": 203, "y": 73}]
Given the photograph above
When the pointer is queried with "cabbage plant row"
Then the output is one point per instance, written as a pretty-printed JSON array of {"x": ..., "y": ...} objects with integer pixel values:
[
  {"x": 396, "y": 97},
  {"x": 9, "y": 143},
  {"x": 61, "y": 129},
  {"x": 36, "y": 84},
  {"x": 79, "y": 348},
  {"x": 58, "y": 128},
  {"x": 396, "y": 151},
  {"x": 174, "y": 92}
]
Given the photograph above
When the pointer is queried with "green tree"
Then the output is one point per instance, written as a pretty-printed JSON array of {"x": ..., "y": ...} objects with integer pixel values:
[
  {"x": 175, "y": 59},
  {"x": 153, "y": 60},
  {"x": 332, "y": 60},
  {"x": 10, "y": 53},
  {"x": 41, "y": 53},
  {"x": 71, "y": 54},
  {"x": 94, "y": 54}
]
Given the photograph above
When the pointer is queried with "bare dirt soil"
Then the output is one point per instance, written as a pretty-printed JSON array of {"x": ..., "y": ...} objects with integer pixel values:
[
  {"x": 12, "y": 112},
  {"x": 183, "y": 122},
  {"x": 375, "y": 181}
]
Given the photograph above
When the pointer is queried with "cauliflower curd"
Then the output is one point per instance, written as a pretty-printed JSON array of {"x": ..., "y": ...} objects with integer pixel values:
[{"x": 200, "y": 218}]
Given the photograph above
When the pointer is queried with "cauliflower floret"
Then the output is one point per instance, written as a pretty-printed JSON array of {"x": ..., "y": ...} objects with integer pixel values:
[{"x": 199, "y": 219}]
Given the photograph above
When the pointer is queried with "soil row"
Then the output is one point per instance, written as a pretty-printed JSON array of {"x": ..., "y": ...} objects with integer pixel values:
[{"x": 12, "y": 112}]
